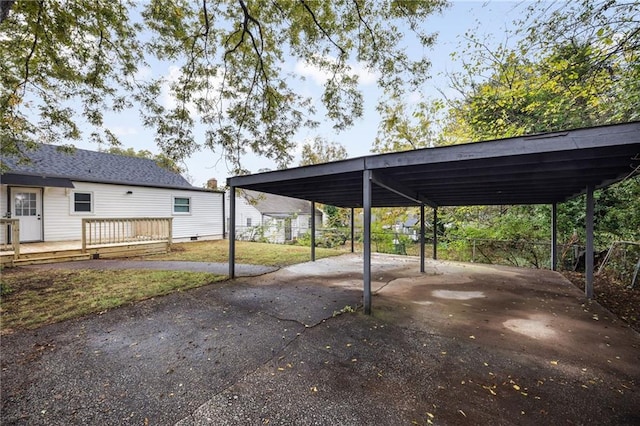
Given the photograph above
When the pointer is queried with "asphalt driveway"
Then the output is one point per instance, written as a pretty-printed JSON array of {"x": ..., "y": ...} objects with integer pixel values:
[{"x": 459, "y": 344}]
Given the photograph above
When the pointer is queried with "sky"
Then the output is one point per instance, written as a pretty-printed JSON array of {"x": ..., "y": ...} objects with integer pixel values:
[{"x": 488, "y": 17}]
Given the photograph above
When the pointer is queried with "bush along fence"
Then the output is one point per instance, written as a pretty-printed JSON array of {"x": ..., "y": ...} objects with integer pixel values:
[{"x": 622, "y": 260}]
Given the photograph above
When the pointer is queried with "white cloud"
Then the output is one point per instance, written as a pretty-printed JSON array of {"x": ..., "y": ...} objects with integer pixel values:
[
  {"x": 365, "y": 75},
  {"x": 122, "y": 131}
]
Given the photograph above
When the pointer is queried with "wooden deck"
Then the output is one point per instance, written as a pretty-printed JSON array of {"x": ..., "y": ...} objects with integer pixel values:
[{"x": 65, "y": 251}]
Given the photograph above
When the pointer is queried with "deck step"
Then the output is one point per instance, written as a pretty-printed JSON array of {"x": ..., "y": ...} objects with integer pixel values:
[{"x": 51, "y": 259}]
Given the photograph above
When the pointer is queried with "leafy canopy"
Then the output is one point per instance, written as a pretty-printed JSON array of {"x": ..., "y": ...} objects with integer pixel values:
[
  {"x": 321, "y": 151},
  {"x": 577, "y": 65},
  {"x": 230, "y": 68}
]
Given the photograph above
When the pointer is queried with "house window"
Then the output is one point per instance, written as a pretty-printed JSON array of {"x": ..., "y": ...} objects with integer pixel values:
[
  {"x": 82, "y": 202},
  {"x": 181, "y": 205},
  {"x": 248, "y": 221}
]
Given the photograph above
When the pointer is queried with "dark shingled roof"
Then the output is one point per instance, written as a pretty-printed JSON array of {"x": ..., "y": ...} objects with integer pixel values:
[
  {"x": 273, "y": 205},
  {"x": 99, "y": 167}
]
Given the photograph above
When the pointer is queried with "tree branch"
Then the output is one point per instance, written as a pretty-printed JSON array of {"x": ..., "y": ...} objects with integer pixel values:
[
  {"x": 373, "y": 37},
  {"x": 321, "y": 28}
]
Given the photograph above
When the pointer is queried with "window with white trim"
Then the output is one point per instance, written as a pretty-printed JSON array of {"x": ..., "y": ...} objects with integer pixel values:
[
  {"x": 82, "y": 202},
  {"x": 181, "y": 205},
  {"x": 248, "y": 221}
]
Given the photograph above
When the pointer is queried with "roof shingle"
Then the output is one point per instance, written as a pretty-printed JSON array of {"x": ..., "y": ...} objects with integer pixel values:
[{"x": 101, "y": 167}]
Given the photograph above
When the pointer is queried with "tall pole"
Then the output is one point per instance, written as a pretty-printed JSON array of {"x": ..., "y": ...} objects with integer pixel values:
[
  {"x": 588, "y": 256},
  {"x": 366, "y": 231},
  {"x": 313, "y": 231},
  {"x": 554, "y": 237},
  {"x": 232, "y": 232},
  {"x": 435, "y": 233},
  {"x": 352, "y": 230},
  {"x": 421, "y": 237}
]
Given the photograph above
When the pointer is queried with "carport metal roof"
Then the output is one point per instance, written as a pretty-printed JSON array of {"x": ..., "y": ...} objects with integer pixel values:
[{"x": 537, "y": 169}]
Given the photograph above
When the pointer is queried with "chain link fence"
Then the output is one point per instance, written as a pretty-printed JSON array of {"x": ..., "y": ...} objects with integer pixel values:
[{"x": 622, "y": 258}]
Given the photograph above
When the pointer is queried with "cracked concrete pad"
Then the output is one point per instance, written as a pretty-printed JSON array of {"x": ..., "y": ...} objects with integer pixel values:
[{"x": 283, "y": 349}]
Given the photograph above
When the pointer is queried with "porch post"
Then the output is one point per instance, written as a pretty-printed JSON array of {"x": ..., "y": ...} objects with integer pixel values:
[
  {"x": 313, "y": 231},
  {"x": 588, "y": 255},
  {"x": 435, "y": 233},
  {"x": 366, "y": 231},
  {"x": 421, "y": 237},
  {"x": 554, "y": 237},
  {"x": 352, "y": 229},
  {"x": 232, "y": 231}
]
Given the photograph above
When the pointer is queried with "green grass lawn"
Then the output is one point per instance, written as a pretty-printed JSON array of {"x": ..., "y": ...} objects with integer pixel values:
[
  {"x": 246, "y": 252},
  {"x": 30, "y": 298}
]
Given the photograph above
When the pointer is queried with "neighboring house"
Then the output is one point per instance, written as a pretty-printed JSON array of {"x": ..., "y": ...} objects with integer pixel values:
[
  {"x": 277, "y": 219},
  {"x": 410, "y": 227},
  {"x": 52, "y": 193}
]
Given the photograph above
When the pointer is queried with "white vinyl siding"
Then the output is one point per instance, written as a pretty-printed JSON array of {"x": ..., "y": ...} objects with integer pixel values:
[{"x": 119, "y": 201}]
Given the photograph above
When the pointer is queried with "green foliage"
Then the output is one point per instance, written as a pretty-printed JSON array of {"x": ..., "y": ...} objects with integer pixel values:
[
  {"x": 577, "y": 66},
  {"x": 326, "y": 238},
  {"x": 321, "y": 151},
  {"x": 400, "y": 130},
  {"x": 161, "y": 159},
  {"x": 230, "y": 68},
  {"x": 337, "y": 217}
]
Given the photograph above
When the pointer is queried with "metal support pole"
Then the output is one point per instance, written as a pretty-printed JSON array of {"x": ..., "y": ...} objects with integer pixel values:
[
  {"x": 588, "y": 255},
  {"x": 435, "y": 233},
  {"x": 224, "y": 217},
  {"x": 421, "y": 237},
  {"x": 554, "y": 237},
  {"x": 352, "y": 230},
  {"x": 232, "y": 232},
  {"x": 313, "y": 231},
  {"x": 366, "y": 231}
]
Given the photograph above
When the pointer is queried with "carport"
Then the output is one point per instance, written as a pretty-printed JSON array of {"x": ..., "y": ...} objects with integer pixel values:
[{"x": 547, "y": 168}]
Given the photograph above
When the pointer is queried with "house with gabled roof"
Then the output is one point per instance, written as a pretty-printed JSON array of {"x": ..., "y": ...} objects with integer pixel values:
[
  {"x": 272, "y": 218},
  {"x": 52, "y": 193}
]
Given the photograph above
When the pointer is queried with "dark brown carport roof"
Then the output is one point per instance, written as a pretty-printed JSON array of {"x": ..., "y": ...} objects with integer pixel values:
[{"x": 538, "y": 169}]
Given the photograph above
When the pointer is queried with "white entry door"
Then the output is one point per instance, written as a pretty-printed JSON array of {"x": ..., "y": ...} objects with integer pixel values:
[{"x": 26, "y": 205}]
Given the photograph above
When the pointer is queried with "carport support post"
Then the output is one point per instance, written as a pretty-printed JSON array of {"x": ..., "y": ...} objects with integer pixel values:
[
  {"x": 554, "y": 237},
  {"x": 313, "y": 231},
  {"x": 421, "y": 237},
  {"x": 435, "y": 233},
  {"x": 352, "y": 229},
  {"x": 588, "y": 255},
  {"x": 366, "y": 235},
  {"x": 232, "y": 232}
]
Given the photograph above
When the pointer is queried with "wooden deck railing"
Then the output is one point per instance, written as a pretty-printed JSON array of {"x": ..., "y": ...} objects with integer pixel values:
[
  {"x": 10, "y": 228},
  {"x": 96, "y": 232}
]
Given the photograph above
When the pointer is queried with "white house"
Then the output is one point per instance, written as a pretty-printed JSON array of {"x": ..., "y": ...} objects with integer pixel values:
[
  {"x": 270, "y": 217},
  {"x": 52, "y": 193}
]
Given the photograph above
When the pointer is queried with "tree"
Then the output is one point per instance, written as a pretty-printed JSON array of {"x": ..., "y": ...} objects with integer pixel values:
[
  {"x": 229, "y": 61},
  {"x": 400, "y": 130},
  {"x": 577, "y": 65},
  {"x": 322, "y": 151},
  {"x": 161, "y": 159}
]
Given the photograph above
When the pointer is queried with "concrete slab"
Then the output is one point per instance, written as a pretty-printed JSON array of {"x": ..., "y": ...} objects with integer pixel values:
[{"x": 459, "y": 344}]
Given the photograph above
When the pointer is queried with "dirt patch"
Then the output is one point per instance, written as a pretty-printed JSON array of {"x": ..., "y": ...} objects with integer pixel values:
[{"x": 614, "y": 295}]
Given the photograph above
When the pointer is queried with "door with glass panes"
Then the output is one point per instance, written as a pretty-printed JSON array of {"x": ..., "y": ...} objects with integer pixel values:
[{"x": 26, "y": 206}]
